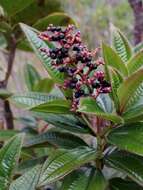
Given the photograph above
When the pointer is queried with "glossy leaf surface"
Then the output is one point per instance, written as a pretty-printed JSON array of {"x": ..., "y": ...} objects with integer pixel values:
[
  {"x": 90, "y": 106},
  {"x": 129, "y": 164},
  {"x": 64, "y": 162},
  {"x": 9, "y": 156}
]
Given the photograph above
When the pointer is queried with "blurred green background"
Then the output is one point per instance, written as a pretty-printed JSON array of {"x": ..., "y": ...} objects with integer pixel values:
[{"x": 94, "y": 18}]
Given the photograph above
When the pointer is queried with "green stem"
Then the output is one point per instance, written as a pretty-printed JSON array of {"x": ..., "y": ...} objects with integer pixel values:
[
  {"x": 98, "y": 161},
  {"x": 88, "y": 124}
]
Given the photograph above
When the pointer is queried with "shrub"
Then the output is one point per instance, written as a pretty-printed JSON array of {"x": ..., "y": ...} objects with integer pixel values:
[{"x": 96, "y": 144}]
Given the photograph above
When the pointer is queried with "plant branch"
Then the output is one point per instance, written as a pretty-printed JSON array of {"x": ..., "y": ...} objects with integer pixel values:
[
  {"x": 137, "y": 7},
  {"x": 8, "y": 115},
  {"x": 3, "y": 83},
  {"x": 10, "y": 59}
]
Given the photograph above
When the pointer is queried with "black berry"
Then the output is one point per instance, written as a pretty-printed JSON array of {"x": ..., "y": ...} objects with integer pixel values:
[
  {"x": 72, "y": 85},
  {"x": 79, "y": 93},
  {"x": 105, "y": 83},
  {"x": 55, "y": 38},
  {"x": 53, "y": 56},
  {"x": 62, "y": 69},
  {"x": 96, "y": 84},
  {"x": 59, "y": 61},
  {"x": 61, "y": 36},
  {"x": 74, "y": 80},
  {"x": 76, "y": 48},
  {"x": 88, "y": 64}
]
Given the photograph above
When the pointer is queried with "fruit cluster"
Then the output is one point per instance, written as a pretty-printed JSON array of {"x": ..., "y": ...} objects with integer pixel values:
[{"x": 79, "y": 65}]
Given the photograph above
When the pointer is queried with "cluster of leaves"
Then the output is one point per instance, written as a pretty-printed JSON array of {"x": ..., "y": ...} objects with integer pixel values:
[{"x": 62, "y": 159}]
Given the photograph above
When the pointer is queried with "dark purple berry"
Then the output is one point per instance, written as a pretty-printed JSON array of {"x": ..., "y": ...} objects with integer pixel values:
[
  {"x": 53, "y": 56},
  {"x": 74, "y": 80},
  {"x": 59, "y": 61},
  {"x": 64, "y": 50},
  {"x": 62, "y": 69},
  {"x": 55, "y": 50},
  {"x": 94, "y": 66},
  {"x": 64, "y": 41},
  {"x": 60, "y": 55},
  {"x": 79, "y": 93},
  {"x": 87, "y": 59},
  {"x": 71, "y": 71},
  {"x": 96, "y": 84},
  {"x": 58, "y": 29},
  {"x": 53, "y": 29},
  {"x": 72, "y": 85},
  {"x": 104, "y": 83},
  {"x": 88, "y": 64},
  {"x": 61, "y": 36},
  {"x": 55, "y": 38},
  {"x": 79, "y": 57},
  {"x": 76, "y": 48}
]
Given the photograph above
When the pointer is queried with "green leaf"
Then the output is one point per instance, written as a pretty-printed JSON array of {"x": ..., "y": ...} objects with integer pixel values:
[
  {"x": 3, "y": 41},
  {"x": 134, "y": 114},
  {"x": 59, "y": 106},
  {"x": 136, "y": 62},
  {"x": 41, "y": 102},
  {"x": 24, "y": 45},
  {"x": 128, "y": 137},
  {"x": 36, "y": 43},
  {"x": 138, "y": 47},
  {"x": 9, "y": 156},
  {"x": 115, "y": 81},
  {"x": 129, "y": 164},
  {"x": 121, "y": 44},
  {"x": 5, "y": 27},
  {"x": 29, "y": 14},
  {"x": 4, "y": 94},
  {"x": 28, "y": 164},
  {"x": 44, "y": 85},
  {"x": 136, "y": 98},
  {"x": 28, "y": 181},
  {"x": 97, "y": 181},
  {"x": 75, "y": 181},
  {"x": 57, "y": 19},
  {"x": 31, "y": 76},
  {"x": 121, "y": 184},
  {"x": 128, "y": 88},
  {"x": 80, "y": 181},
  {"x": 55, "y": 138},
  {"x": 31, "y": 99},
  {"x": 27, "y": 120},
  {"x": 2, "y": 13},
  {"x": 7, "y": 134},
  {"x": 64, "y": 162},
  {"x": 64, "y": 121},
  {"x": 113, "y": 59},
  {"x": 12, "y": 7},
  {"x": 90, "y": 106}
]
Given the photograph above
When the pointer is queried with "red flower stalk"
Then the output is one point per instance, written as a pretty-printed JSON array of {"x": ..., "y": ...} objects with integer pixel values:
[{"x": 79, "y": 64}]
